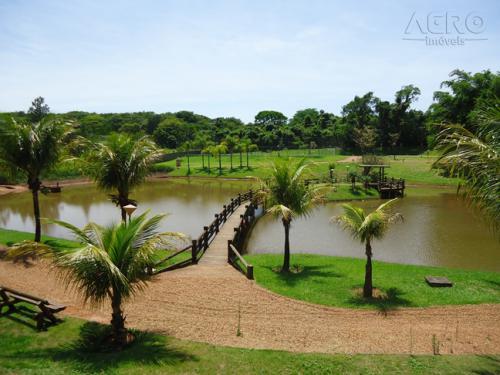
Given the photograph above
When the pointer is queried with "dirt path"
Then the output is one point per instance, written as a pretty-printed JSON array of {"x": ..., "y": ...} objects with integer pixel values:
[
  {"x": 203, "y": 302},
  {"x": 351, "y": 159}
]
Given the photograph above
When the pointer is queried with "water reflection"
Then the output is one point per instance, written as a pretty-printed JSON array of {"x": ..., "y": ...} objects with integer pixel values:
[{"x": 190, "y": 205}]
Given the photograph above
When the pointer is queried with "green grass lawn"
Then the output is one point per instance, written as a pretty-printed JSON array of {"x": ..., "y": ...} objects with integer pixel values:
[
  {"x": 9, "y": 237},
  {"x": 413, "y": 168},
  {"x": 333, "y": 281},
  {"x": 66, "y": 349}
]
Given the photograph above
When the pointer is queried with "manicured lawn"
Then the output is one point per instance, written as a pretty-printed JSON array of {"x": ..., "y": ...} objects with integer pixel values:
[
  {"x": 9, "y": 237},
  {"x": 333, "y": 281},
  {"x": 412, "y": 168},
  {"x": 63, "y": 349}
]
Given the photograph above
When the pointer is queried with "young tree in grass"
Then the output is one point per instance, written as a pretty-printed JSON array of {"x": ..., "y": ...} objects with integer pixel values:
[
  {"x": 248, "y": 146},
  {"x": 231, "y": 145},
  {"x": 186, "y": 147},
  {"x": 286, "y": 196},
  {"x": 366, "y": 227},
  {"x": 120, "y": 164},
  {"x": 31, "y": 149},
  {"x": 218, "y": 150},
  {"x": 108, "y": 264}
]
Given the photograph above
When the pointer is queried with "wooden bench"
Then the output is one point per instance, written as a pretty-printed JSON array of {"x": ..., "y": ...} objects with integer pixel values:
[{"x": 9, "y": 298}]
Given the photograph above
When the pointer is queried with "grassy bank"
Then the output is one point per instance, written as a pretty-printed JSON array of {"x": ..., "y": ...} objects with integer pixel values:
[
  {"x": 63, "y": 349},
  {"x": 335, "y": 281}
]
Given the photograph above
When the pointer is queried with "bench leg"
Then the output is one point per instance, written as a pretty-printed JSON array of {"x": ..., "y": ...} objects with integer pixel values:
[{"x": 40, "y": 322}]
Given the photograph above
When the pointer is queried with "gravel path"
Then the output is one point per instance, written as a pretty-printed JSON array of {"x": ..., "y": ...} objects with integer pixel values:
[{"x": 203, "y": 303}]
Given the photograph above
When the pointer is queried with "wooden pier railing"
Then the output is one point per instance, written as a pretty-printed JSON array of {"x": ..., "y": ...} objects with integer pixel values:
[{"x": 199, "y": 245}]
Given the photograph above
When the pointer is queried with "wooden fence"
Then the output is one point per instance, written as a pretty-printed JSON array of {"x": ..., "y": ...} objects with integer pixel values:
[{"x": 198, "y": 246}]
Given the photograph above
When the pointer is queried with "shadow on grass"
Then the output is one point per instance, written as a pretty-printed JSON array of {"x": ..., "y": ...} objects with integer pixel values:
[
  {"x": 90, "y": 354},
  {"x": 388, "y": 301},
  {"x": 299, "y": 273},
  {"x": 493, "y": 364},
  {"x": 495, "y": 284}
]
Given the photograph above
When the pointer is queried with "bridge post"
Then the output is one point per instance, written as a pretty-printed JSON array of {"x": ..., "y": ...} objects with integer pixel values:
[
  {"x": 250, "y": 272},
  {"x": 193, "y": 252},
  {"x": 205, "y": 237},
  {"x": 229, "y": 243},
  {"x": 224, "y": 212},
  {"x": 216, "y": 223}
]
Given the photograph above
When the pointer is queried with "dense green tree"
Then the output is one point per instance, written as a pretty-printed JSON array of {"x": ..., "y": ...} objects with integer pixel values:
[
  {"x": 172, "y": 133},
  {"x": 270, "y": 120},
  {"x": 38, "y": 110}
]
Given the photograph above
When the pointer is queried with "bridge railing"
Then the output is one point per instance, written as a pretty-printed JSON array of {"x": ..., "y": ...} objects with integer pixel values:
[
  {"x": 235, "y": 246},
  {"x": 199, "y": 245}
]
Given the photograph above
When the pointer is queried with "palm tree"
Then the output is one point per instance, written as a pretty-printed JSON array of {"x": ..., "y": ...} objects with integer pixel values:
[
  {"x": 231, "y": 145},
  {"x": 474, "y": 157},
  {"x": 32, "y": 149},
  {"x": 286, "y": 196},
  {"x": 109, "y": 263},
  {"x": 121, "y": 164},
  {"x": 220, "y": 149},
  {"x": 366, "y": 228}
]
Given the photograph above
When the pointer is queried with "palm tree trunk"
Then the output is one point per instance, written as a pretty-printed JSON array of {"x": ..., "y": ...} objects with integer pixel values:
[
  {"x": 119, "y": 332},
  {"x": 368, "y": 287},
  {"x": 123, "y": 201},
  {"x": 35, "y": 187},
  {"x": 220, "y": 164},
  {"x": 208, "y": 159},
  {"x": 247, "y": 158},
  {"x": 241, "y": 159},
  {"x": 189, "y": 167},
  {"x": 231, "y": 159},
  {"x": 202, "y": 160},
  {"x": 286, "y": 258}
]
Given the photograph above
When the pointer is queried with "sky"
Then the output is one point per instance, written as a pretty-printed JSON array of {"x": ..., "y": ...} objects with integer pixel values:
[{"x": 235, "y": 58}]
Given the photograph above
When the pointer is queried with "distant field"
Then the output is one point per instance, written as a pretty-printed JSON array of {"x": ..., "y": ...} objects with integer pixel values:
[{"x": 413, "y": 168}]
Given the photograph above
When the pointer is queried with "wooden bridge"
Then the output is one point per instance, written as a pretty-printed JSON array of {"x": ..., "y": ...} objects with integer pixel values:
[{"x": 220, "y": 242}]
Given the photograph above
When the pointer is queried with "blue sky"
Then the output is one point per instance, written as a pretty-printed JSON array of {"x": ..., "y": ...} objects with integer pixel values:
[{"x": 228, "y": 58}]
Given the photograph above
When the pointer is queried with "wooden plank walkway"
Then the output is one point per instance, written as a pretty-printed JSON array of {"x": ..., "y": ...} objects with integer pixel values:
[{"x": 216, "y": 254}]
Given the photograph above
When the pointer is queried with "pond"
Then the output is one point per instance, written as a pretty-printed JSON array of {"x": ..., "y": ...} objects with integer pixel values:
[
  {"x": 190, "y": 205},
  {"x": 438, "y": 230}
]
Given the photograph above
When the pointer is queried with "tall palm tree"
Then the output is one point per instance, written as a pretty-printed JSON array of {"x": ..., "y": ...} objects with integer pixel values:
[
  {"x": 286, "y": 196},
  {"x": 365, "y": 228},
  {"x": 121, "y": 164},
  {"x": 475, "y": 157},
  {"x": 109, "y": 263},
  {"x": 32, "y": 149}
]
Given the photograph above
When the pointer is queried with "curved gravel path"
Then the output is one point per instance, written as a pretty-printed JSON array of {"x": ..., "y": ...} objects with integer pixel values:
[{"x": 203, "y": 303}]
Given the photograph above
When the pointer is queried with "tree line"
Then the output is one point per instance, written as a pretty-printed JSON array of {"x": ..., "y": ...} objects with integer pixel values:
[{"x": 367, "y": 123}]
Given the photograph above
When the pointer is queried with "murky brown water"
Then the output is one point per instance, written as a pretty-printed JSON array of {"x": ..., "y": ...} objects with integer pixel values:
[
  {"x": 437, "y": 230},
  {"x": 190, "y": 205}
]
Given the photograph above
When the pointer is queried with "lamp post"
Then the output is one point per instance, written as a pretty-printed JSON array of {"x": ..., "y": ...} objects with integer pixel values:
[{"x": 129, "y": 209}]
